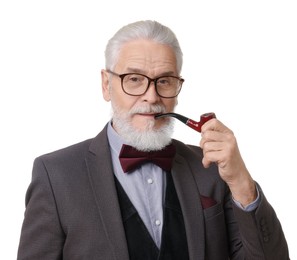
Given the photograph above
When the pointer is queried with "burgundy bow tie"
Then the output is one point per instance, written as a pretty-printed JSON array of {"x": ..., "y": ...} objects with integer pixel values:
[{"x": 130, "y": 158}]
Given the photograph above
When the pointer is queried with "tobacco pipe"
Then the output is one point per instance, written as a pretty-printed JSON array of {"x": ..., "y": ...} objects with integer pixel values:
[{"x": 190, "y": 122}]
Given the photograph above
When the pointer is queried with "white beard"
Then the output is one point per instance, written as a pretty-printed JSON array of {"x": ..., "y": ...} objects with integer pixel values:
[{"x": 148, "y": 139}]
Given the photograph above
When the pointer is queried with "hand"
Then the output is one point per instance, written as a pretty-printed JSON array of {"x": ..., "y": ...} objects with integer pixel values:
[{"x": 220, "y": 146}]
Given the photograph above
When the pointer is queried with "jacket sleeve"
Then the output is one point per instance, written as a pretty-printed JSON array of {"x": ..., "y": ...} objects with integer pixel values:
[
  {"x": 261, "y": 232},
  {"x": 41, "y": 236}
]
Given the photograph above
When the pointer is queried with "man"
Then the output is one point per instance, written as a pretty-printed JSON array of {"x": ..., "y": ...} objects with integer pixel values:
[{"x": 87, "y": 202}]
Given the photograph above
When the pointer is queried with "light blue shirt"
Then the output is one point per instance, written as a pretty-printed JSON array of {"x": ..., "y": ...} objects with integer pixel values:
[{"x": 146, "y": 187}]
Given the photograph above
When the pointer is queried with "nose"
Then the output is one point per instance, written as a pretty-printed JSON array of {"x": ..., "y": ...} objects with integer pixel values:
[{"x": 151, "y": 94}]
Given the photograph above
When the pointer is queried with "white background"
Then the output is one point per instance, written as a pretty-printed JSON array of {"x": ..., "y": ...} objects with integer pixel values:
[{"x": 240, "y": 61}]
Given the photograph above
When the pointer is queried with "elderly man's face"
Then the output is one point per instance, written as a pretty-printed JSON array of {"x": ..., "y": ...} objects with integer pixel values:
[{"x": 148, "y": 58}]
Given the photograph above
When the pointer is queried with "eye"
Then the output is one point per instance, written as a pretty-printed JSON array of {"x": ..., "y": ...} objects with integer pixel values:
[
  {"x": 134, "y": 78},
  {"x": 164, "y": 81}
]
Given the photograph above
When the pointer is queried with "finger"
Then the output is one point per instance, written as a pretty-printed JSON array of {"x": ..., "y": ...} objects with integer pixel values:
[
  {"x": 206, "y": 163},
  {"x": 210, "y": 152},
  {"x": 211, "y": 136},
  {"x": 214, "y": 125},
  {"x": 211, "y": 157},
  {"x": 213, "y": 146}
]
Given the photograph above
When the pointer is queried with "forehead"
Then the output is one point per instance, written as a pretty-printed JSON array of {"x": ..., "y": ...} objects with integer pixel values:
[{"x": 147, "y": 56}]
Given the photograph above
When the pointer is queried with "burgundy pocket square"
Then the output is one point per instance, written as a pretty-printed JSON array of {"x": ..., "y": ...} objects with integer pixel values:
[{"x": 207, "y": 202}]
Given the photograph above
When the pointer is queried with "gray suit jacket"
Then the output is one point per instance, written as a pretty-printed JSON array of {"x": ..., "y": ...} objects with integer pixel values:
[{"x": 72, "y": 210}]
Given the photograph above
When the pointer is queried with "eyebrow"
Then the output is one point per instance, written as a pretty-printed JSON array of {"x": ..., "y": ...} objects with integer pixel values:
[{"x": 135, "y": 70}]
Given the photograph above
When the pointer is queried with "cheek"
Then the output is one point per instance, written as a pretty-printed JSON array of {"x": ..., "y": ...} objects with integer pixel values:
[
  {"x": 170, "y": 104},
  {"x": 123, "y": 103}
]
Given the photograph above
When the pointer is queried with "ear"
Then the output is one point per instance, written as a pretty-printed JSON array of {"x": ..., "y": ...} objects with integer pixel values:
[{"x": 105, "y": 85}]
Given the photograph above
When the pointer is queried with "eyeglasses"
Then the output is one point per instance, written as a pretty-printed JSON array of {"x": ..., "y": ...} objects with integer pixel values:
[{"x": 135, "y": 84}]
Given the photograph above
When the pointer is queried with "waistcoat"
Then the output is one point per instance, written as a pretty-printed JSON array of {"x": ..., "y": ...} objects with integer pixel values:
[{"x": 141, "y": 246}]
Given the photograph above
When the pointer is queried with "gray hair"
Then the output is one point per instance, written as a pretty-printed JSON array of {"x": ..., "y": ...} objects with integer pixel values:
[{"x": 148, "y": 29}]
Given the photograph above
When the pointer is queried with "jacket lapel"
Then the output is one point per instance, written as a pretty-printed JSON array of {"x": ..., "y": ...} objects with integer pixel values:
[
  {"x": 101, "y": 178},
  {"x": 189, "y": 197}
]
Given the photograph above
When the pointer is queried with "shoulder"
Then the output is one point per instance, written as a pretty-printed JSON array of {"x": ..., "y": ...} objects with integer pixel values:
[
  {"x": 76, "y": 152},
  {"x": 67, "y": 159},
  {"x": 71, "y": 152}
]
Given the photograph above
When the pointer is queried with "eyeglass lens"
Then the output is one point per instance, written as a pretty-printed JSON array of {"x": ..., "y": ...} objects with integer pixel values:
[{"x": 137, "y": 84}]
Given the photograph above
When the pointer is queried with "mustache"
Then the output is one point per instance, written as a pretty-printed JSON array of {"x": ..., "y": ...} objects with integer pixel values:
[{"x": 148, "y": 109}]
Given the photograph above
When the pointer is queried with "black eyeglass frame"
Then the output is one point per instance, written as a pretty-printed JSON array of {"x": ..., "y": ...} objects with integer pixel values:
[{"x": 122, "y": 76}]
